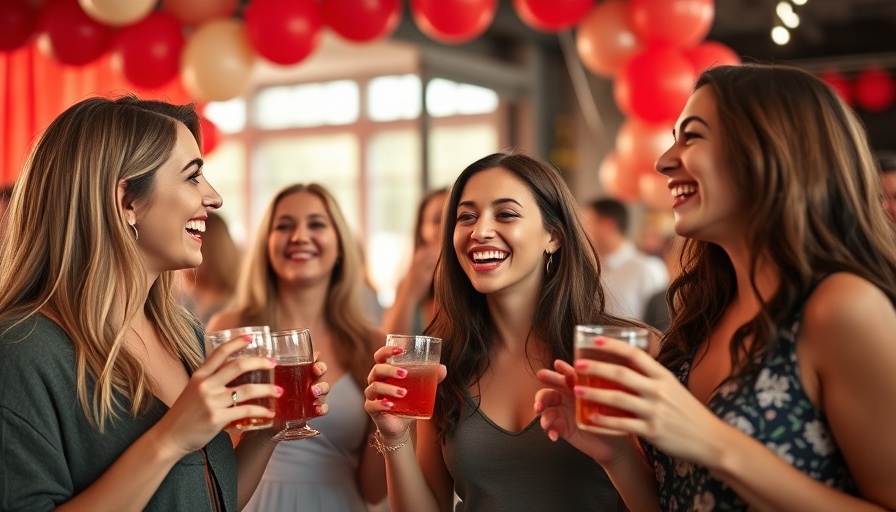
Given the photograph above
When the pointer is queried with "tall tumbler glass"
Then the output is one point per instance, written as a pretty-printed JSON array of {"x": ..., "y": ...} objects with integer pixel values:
[
  {"x": 294, "y": 355},
  {"x": 259, "y": 346},
  {"x": 421, "y": 360}
]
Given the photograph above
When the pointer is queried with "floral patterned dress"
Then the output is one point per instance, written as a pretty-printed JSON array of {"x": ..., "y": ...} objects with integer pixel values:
[{"x": 771, "y": 406}]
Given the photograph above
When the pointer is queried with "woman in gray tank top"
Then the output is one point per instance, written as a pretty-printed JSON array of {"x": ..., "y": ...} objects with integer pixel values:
[{"x": 515, "y": 275}]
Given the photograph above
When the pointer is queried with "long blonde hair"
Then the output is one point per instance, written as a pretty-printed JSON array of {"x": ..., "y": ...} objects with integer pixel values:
[
  {"x": 256, "y": 293},
  {"x": 86, "y": 265}
]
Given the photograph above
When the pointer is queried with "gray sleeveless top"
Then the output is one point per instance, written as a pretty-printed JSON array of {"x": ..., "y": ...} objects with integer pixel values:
[{"x": 498, "y": 470}]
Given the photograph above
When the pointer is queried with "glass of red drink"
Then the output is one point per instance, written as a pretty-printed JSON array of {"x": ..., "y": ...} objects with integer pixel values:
[
  {"x": 421, "y": 360},
  {"x": 259, "y": 346},
  {"x": 585, "y": 349},
  {"x": 294, "y": 355}
]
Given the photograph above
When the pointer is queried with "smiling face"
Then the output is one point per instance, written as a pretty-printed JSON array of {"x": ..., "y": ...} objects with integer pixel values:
[
  {"x": 706, "y": 204},
  {"x": 171, "y": 220},
  {"x": 499, "y": 238},
  {"x": 303, "y": 244}
]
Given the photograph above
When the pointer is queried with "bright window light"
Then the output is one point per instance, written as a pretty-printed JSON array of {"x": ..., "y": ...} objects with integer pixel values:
[
  {"x": 446, "y": 98},
  {"x": 390, "y": 98},
  {"x": 308, "y": 105},
  {"x": 229, "y": 116}
]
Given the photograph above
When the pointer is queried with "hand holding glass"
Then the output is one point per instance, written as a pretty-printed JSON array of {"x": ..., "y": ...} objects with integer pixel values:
[
  {"x": 294, "y": 355},
  {"x": 259, "y": 346},
  {"x": 585, "y": 349},
  {"x": 421, "y": 360}
]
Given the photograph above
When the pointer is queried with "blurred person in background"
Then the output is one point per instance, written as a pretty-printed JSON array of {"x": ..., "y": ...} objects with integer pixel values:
[
  {"x": 886, "y": 160},
  {"x": 630, "y": 277},
  {"x": 304, "y": 271},
  {"x": 212, "y": 284},
  {"x": 414, "y": 304}
]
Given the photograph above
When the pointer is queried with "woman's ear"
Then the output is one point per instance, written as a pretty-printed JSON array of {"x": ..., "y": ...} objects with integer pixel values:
[
  {"x": 555, "y": 242},
  {"x": 126, "y": 205}
]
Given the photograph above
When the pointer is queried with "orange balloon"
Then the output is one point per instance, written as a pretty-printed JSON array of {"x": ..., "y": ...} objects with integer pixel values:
[
  {"x": 217, "y": 62},
  {"x": 194, "y": 12},
  {"x": 639, "y": 143},
  {"x": 117, "y": 13},
  {"x": 617, "y": 181},
  {"x": 605, "y": 39}
]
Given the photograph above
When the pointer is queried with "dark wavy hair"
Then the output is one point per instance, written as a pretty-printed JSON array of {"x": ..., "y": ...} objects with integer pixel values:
[
  {"x": 570, "y": 293},
  {"x": 801, "y": 157}
]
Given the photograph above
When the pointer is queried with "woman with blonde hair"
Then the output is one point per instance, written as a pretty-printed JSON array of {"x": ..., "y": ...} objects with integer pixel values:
[
  {"x": 304, "y": 270},
  {"x": 109, "y": 402}
]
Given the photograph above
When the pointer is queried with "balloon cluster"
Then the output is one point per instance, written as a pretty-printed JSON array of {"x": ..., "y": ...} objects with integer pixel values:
[
  {"x": 652, "y": 50},
  {"x": 872, "y": 89}
]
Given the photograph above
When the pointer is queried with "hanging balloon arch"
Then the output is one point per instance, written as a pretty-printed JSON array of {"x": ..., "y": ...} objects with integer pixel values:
[{"x": 650, "y": 49}]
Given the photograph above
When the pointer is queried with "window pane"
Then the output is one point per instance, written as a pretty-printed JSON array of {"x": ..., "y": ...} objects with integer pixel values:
[
  {"x": 446, "y": 98},
  {"x": 342, "y": 101},
  {"x": 453, "y": 148},
  {"x": 308, "y": 105},
  {"x": 390, "y": 98},
  {"x": 228, "y": 116},
  {"x": 225, "y": 170},
  {"x": 441, "y": 97},
  {"x": 393, "y": 160}
]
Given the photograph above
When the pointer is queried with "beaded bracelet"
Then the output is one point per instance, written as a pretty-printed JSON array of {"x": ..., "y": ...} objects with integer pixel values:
[{"x": 376, "y": 442}]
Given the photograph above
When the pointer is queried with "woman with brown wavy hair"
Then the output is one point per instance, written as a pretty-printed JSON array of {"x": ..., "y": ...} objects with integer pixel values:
[
  {"x": 773, "y": 385},
  {"x": 516, "y": 274},
  {"x": 305, "y": 270},
  {"x": 109, "y": 402}
]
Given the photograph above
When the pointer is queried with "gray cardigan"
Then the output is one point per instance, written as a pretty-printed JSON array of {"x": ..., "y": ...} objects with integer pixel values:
[{"x": 49, "y": 452}]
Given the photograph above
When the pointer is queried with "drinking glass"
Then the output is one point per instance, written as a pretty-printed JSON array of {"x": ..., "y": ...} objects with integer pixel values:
[
  {"x": 259, "y": 346},
  {"x": 294, "y": 355},
  {"x": 585, "y": 349},
  {"x": 421, "y": 360}
]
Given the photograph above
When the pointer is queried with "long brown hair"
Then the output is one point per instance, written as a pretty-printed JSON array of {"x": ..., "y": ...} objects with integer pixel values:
[
  {"x": 570, "y": 293},
  {"x": 801, "y": 157},
  {"x": 86, "y": 264},
  {"x": 256, "y": 295}
]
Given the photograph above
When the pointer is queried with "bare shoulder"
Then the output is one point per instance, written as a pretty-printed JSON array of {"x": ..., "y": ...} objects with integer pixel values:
[
  {"x": 226, "y": 319},
  {"x": 845, "y": 313}
]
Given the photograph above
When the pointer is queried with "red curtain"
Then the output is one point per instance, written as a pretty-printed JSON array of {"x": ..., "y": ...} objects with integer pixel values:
[{"x": 35, "y": 89}]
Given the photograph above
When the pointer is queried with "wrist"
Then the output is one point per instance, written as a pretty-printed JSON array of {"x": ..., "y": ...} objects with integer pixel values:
[{"x": 383, "y": 444}]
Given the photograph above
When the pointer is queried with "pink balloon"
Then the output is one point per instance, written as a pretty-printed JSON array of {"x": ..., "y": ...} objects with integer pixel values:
[
  {"x": 874, "y": 90},
  {"x": 842, "y": 85},
  {"x": 453, "y": 21},
  {"x": 605, "y": 39},
  {"x": 709, "y": 54},
  {"x": 18, "y": 20},
  {"x": 655, "y": 84},
  {"x": 616, "y": 180},
  {"x": 362, "y": 20},
  {"x": 148, "y": 52},
  {"x": 681, "y": 23},
  {"x": 284, "y": 31},
  {"x": 70, "y": 36},
  {"x": 194, "y": 12},
  {"x": 552, "y": 15},
  {"x": 639, "y": 143}
]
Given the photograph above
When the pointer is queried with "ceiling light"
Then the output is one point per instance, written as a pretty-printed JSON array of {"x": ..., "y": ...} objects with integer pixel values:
[{"x": 780, "y": 35}]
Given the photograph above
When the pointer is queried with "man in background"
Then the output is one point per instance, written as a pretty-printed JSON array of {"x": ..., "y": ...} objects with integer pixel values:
[{"x": 629, "y": 276}]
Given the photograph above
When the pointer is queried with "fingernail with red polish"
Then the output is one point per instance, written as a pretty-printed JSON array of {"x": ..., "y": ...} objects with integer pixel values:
[
  {"x": 279, "y": 390},
  {"x": 600, "y": 340},
  {"x": 578, "y": 390},
  {"x": 401, "y": 391},
  {"x": 397, "y": 350},
  {"x": 387, "y": 403},
  {"x": 273, "y": 362},
  {"x": 539, "y": 408},
  {"x": 401, "y": 372},
  {"x": 580, "y": 365}
]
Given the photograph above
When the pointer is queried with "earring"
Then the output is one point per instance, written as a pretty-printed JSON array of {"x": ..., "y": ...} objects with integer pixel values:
[
  {"x": 547, "y": 267},
  {"x": 133, "y": 225}
]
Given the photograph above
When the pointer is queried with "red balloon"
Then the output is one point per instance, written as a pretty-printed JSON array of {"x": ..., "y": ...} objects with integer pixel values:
[
  {"x": 362, "y": 20},
  {"x": 18, "y": 19},
  {"x": 453, "y": 21},
  {"x": 284, "y": 31},
  {"x": 70, "y": 35},
  {"x": 210, "y": 135},
  {"x": 842, "y": 86},
  {"x": 874, "y": 90},
  {"x": 605, "y": 40},
  {"x": 709, "y": 54},
  {"x": 655, "y": 84},
  {"x": 681, "y": 23},
  {"x": 552, "y": 15},
  {"x": 148, "y": 51}
]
